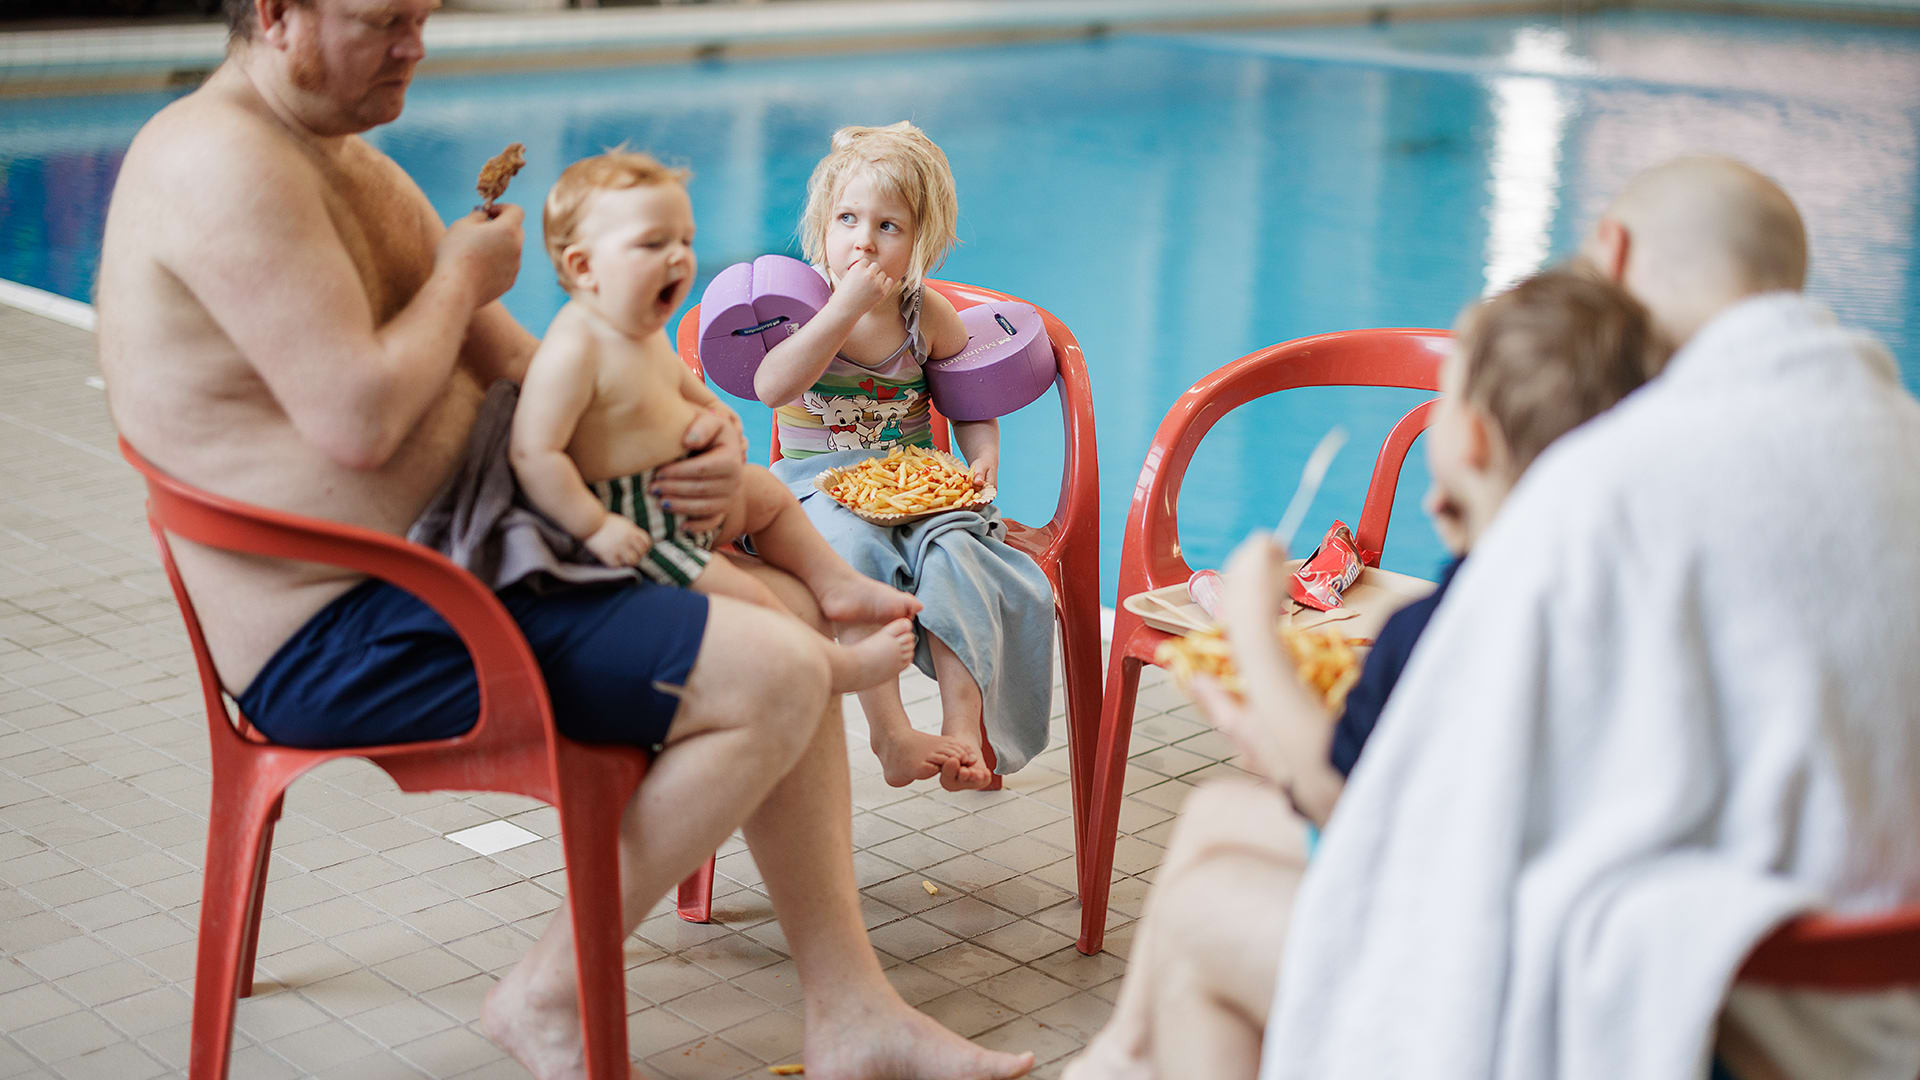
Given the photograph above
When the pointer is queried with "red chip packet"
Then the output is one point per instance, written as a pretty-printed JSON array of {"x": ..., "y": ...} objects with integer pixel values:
[{"x": 1326, "y": 573}]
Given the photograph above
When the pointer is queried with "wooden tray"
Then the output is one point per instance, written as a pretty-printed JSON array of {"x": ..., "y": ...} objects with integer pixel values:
[
  {"x": 1366, "y": 605},
  {"x": 980, "y": 498}
]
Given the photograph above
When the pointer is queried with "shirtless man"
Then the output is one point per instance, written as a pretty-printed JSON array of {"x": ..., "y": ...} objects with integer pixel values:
[{"x": 284, "y": 320}]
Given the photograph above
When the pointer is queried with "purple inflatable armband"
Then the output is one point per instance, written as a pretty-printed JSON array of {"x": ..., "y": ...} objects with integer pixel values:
[
  {"x": 1008, "y": 363},
  {"x": 749, "y": 308}
]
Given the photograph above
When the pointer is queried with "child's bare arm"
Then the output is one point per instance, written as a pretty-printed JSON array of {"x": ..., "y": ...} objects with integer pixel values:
[
  {"x": 980, "y": 441},
  {"x": 557, "y": 392},
  {"x": 795, "y": 364}
]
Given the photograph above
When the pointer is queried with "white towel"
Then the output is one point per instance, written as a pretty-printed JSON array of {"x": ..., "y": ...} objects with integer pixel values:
[{"x": 1672, "y": 699}]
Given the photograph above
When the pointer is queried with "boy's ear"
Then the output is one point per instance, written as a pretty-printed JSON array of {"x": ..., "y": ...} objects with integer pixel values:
[
  {"x": 1611, "y": 245},
  {"x": 1484, "y": 445},
  {"x": 579, "y": 264}
]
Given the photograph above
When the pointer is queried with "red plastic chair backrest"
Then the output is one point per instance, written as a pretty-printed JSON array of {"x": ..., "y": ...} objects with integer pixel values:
[
  {"x": 515, "y": 717},
  {"x": 1078, "y": 506},
  {"x": 1825, "y": 952},
  {"x": 1150, "y": 558}
]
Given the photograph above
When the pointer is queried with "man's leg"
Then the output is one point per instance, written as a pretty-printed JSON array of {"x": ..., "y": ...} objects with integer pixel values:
[
  {"x": 1245, "y": 826},
  {"x": 731, "y": 740},
  {"x": 801, "y": 839}
]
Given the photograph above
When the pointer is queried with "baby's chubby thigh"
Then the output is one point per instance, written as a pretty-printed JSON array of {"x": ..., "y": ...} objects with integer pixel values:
[{"x": 757, "y": 504}]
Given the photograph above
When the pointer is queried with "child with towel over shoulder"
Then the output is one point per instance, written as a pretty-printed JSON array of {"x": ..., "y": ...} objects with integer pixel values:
[{"x": 881, "y": 213}]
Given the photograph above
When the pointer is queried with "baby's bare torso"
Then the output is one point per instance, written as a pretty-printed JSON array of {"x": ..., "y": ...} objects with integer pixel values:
[{"x": 638, "y": 411}]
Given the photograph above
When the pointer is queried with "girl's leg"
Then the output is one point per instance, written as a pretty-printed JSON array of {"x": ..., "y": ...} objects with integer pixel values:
[
  {"x": 784, "y": 538},
  {"x": 961, "y": 719},
  {"x": 873, "y": 659},
  {"x": 905, "y": 755}
]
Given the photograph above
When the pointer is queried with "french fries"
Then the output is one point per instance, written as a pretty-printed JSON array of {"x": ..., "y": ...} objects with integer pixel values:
[
  {"x": 908, "y": 481},
  {"x": 1325, "y": 659}
]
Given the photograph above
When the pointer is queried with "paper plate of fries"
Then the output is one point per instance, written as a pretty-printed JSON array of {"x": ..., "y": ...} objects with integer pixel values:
[
  {"x": 1328, "y": 660},
  {"x": 908, "y": 484}
]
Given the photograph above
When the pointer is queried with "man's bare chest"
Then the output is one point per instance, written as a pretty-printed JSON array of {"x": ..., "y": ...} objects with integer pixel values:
[{"x": 386, "y": 234}]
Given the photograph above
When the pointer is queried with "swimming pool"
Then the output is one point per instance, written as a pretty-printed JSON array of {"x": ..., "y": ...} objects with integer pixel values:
[{"x": 1181, "y": 200}]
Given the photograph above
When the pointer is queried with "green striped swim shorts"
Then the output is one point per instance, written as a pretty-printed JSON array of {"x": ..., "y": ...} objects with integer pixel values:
[{"x": 676, "y": 557}]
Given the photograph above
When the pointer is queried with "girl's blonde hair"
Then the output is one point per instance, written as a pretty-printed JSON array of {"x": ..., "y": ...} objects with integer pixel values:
[
  {"x": 905, "y": 165},
  {"x": 567, "y": 202}
]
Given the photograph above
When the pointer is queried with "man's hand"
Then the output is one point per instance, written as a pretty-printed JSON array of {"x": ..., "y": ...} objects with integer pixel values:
[
  {"x": 619, "y": 542},
  {"x": 484, "y": 250},
  {"x": 700, "y": 489},
  {"x": 862, "y": 286}
]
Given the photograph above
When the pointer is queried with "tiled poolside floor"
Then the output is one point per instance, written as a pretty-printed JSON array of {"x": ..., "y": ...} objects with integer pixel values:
[{"x": 381, "y": 935}]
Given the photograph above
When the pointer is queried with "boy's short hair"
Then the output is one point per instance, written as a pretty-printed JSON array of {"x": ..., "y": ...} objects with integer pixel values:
[
  {"x": 567, "y": 201},
  {"x": 1553, "y": 352},
  {"x": 907, "y": 166}
]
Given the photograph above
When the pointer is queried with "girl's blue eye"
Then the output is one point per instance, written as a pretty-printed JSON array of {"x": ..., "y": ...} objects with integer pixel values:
[
  {"x": 846, "y": 219},
  {"x": 890, "y": 227}
]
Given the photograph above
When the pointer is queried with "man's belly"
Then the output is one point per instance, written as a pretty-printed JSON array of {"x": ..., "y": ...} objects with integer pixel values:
[{"x": 249, "y": 605}]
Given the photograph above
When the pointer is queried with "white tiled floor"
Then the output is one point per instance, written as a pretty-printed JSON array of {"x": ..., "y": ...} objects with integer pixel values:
[{"x": 381, "y": 934}]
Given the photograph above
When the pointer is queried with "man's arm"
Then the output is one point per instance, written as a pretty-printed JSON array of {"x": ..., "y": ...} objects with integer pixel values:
[
  {"x": 498, "y": 347},
  {"x": 253, "y": 241}
]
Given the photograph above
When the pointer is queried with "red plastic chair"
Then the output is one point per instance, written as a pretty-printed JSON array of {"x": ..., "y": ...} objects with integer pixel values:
[
  {"x": 1067, "y": 547},
  {"x": 1825, "y": 952},
  {"x": 1839, "y": 955},
  {"x": 1150, "y": 556},
  {"x": 513, "y": 747}
]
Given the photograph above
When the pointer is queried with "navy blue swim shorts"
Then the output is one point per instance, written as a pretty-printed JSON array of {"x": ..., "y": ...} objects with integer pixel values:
[{"x": 379, "y": 666}]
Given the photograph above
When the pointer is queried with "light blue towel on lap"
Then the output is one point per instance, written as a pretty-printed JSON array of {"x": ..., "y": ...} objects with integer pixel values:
[{"x": 990, "y": 603}]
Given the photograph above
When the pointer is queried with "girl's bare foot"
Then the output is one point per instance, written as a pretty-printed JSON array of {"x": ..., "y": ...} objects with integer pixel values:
[
  {"x": 899, "y": 1043},
  {"x": 1104, "y": 1059},
  {"x": 873, "y": 659},
  {"x": 907, "y": 755},
  {"x": 969, "y": 773},
  {"x": 854, "y": 598},
  {"x": 539, "y": 1030}
]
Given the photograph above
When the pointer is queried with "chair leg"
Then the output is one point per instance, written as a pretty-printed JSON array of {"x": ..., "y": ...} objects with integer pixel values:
[
  {"x": 251, "y": 946},
  {"x": 589, "y": 837},
  {"x": 696, "y": 894},
  {"x": 238, "y": 830},
  {"x": 1080, "y": 656},
  {"x": 1109, "y": 780}
]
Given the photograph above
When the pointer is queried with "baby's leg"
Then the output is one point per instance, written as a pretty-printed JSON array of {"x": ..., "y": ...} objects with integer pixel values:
[
  {"x": 962, "y": 717},
  {"x": 905, "y": 755},
  {"x": 784, "y": 537},
  {"x": 877, "y": 658}
]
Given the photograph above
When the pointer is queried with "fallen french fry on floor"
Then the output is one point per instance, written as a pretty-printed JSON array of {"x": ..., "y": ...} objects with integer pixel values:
[
  {"x": 932, "y": 889},
  {"x": 787, "y": 1070}
]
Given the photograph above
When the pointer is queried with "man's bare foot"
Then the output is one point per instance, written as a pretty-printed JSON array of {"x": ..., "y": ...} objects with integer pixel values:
[
  {"x": 854, "y": 598},
  {"x": 539, "y": 1030},
  {"x": 902, "y": 1045},
  {"x": 915, "y": 755},
  {"x": 873, "y": 659}
]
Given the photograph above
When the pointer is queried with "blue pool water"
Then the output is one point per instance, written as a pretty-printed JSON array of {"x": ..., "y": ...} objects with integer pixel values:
[{"x": 1182, "y": 200}]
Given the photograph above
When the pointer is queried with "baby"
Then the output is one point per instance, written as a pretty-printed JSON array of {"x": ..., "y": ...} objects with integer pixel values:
[
  {"x": 881, "y": 213},
  {"x": 606, "y": 401}
]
